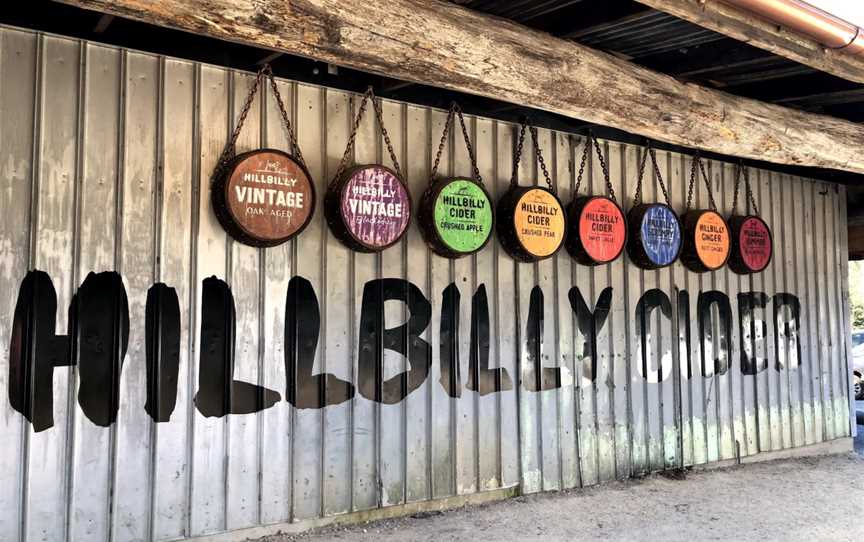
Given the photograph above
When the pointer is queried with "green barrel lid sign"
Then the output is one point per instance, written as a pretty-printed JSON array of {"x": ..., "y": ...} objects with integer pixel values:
[{"x": 461, "y": 216}]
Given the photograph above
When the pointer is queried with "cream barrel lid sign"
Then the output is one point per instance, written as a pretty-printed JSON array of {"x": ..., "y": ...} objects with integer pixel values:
[{"x": 264, "y": 198}]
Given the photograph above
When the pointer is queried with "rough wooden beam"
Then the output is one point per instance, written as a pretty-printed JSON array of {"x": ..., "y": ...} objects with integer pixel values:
[
  {"x": 442, "y": 44},
  {"x": 742, "y": 25}
]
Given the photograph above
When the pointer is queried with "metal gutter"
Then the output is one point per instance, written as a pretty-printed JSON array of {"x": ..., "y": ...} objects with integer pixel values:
[{"x": 831, "y": 31}]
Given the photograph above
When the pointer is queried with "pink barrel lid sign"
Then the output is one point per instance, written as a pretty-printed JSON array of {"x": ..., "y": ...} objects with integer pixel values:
[{"x": 375, "y": 206}]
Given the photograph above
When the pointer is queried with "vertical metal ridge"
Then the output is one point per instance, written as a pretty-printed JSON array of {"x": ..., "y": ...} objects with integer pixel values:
[
  {"x": 158, "y": 203},
  {"x": 625, "y": 265},
  {"x": 430, "y": 468},
  {"x": 577, "y": 360},
  {"x": 262, "y": 338},
  {"x": 553, "y": 138},
  {"x": 32, "y": 226},
  {"x": 262, "y": 276},
  {"x": 499, "y": 422},
  {"x": 611, "y": 390},
  {"x": 292, "y": 505},
  {"x": 322, "y": 478},
  {"x": 72, "y": 377},
  {"x": 352, "y": 332},
  {"x": 403, "y": 119},
  {"x": 229, "y": 279},
  {"x": 193, "y": 287}
]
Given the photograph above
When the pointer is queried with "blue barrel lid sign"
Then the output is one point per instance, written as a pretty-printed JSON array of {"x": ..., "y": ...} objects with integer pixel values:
[{"x": 657, "y": 241}]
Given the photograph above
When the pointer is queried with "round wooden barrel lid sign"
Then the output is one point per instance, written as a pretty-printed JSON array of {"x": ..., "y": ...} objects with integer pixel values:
[
  {"x": 264, "y": 198},
  {"x": 752, "y": 244},
  {"x": 369, "y": 208},
  {"x": 655, "y": 236},
  {"x": 706, "y": 245},
  {"x": 601, "y": 230},
  {"x": 459, "y": 211},
  {"x": 531, "y": 223}
]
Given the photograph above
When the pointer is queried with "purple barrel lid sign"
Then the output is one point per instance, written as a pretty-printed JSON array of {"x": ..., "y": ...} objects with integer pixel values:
[{"x": 375, "y": 206}]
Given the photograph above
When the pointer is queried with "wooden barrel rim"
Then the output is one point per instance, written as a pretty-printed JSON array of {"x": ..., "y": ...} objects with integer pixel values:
[
  {"x": 575, "y": 246},
  {"x": 736, "y": 261},
  {"x": 637, "y": 243},
  {"x": 509, "y": 236},
  {"x": 692, "y": 259},
  {"x": 219, "y": 199},
  {"x": 429, "y": 227},
  {"x": 352, "y": 239}
]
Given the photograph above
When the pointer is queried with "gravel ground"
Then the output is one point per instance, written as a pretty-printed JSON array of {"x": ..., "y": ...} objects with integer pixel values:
[{"x": 811, "y": 499}]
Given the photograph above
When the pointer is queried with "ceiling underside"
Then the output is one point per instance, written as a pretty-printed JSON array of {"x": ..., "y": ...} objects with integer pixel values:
[{"x": 684, "y": 50}]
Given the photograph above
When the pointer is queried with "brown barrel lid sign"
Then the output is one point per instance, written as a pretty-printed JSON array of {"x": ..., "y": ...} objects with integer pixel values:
[
  {"x": 751, "y": 244},
  {"x": 264, "y": 198}
]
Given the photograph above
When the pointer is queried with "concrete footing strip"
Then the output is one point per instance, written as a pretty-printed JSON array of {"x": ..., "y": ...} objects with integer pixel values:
[{"x": 837, "y": 446}]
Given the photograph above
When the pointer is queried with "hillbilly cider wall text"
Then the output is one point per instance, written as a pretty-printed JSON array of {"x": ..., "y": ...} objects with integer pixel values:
[{"x": 99, "y": 320}]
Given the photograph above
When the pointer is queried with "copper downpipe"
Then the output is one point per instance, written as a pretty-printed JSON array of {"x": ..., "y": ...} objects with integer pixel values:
[{"x": 831, "y": 31}]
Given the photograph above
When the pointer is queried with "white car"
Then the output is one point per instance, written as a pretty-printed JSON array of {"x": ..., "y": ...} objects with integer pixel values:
[{"x": 858, "y": 363}]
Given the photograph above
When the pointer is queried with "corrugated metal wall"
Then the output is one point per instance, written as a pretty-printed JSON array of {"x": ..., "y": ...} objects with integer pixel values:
[{"x": 105, "y": 156}]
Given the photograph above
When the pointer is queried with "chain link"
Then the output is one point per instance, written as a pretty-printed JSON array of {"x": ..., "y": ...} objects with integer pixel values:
[
  {"x": 284, "y": 113},
  {"x": 750, "y": 192},
  {"x": 637, "y": 197},
  {"x": 658, "y": 177},
  {"x": 518, "y": 154},
  {"x": 586, "y": 152},
  {"x": 471, "y": 155},
  {"x": 697, "y": 162},
  {"x": 376, "y": 105},
  {"x": 230, "y": 149},
  {"x": 343, "y": 163},
  {"x": 738, "y": 171},
  {"x": 539, "y": 156},
  {"x": 441, "y": 144}
]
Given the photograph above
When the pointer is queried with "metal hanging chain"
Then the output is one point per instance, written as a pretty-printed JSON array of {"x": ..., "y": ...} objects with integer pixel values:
[
  {"x": 750, "y": 192},
  {"x": 456, "y": 111},
  {"x": 343, "y": 163},
  {"x": 352, "y": 138},
  {"x": 230, "y": 149},
  {"x": 475, "y": 171},
  {"x": 376, "y": 106},
  {"x": 658, "y": 177},
  {"x": 284, "y": 113},
  {"x": 742, "y": 171},
  {"x": 538, "y": 155},
  {"x": 738, "y": 171},
  {"x": 441, "y": 144},
  {"x": 697, "y": 163},
  {"x": 586, "y": 152},
  {"x": 518, "y": 154}
]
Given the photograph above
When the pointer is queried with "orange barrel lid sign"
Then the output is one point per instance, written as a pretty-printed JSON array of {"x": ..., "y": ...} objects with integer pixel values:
[
  {"x": 600, "y": 230},
  {"x": 456, "y": 217},
  {"x": 752, "y": 244},
  {"x": 264, "y": 197},
  {"x": 706, "y": 241},
  {"x": 531, "y": 223},
  {"x": 368, "y": 208}
]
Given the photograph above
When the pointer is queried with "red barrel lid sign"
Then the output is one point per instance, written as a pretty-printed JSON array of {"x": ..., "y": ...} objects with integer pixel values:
[
  {"x": 752, "y": 244},
  {"x": 601, "y": 229},
  {"x": 264, "y": 198}
]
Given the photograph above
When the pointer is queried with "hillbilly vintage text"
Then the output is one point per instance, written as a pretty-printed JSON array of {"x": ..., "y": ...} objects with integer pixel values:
[{"x": 98, "y": 335}]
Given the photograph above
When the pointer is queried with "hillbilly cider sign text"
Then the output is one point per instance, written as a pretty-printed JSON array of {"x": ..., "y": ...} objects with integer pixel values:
[{"x": 98, "y": 334}]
